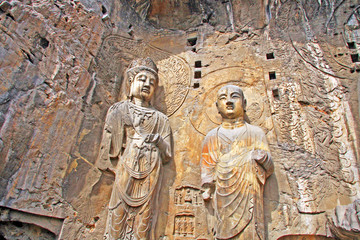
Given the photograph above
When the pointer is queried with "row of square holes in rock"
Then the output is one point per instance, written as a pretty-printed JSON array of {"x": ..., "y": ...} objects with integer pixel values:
[
  {"x": 272, "y": 75},
  {"x": 275, "y": 91},
  {"x": 354, "y": 57},
  {"x": 351, "y": 45},
  {"x": 192, "y": 42},
  {"x": 197, "y": 74}
]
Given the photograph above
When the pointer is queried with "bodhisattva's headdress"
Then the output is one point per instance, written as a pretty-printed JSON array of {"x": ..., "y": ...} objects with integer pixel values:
[{"x": 142, "y": 64}]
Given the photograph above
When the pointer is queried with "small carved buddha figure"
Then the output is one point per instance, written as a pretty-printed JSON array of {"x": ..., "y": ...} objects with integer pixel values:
[
  {"x": 235, "y": 163},
  {"x": 136, "y": 142}
]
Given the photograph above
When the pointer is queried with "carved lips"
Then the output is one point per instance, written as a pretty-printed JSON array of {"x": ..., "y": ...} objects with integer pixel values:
[
  {"x": 146, "y": 89},
  {"x": 230, "y": 106}
]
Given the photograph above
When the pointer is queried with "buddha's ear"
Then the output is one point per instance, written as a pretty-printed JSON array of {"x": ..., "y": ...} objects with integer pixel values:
[
  {"x": 129, "y": 78},
  {"x": 216, "y": 104},
  {"x": 244, "y": 104}
]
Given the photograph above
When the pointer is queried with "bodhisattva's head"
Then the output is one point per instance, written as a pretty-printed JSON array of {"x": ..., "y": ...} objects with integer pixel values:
[
  {"x": 231, "y": 102},
  {"x": 143, "y": 77}
]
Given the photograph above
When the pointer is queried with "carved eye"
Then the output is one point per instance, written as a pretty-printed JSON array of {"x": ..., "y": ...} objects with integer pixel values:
[
  {"x": 235, "y": 95},
  {"x": 142, "y": 78},
  {"x": 152, "y": 81},
  {"x": 222, "y": 97}
]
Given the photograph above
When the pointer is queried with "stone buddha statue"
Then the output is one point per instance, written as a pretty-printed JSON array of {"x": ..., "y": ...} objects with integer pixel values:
[
  {"x": 136, "y": 142},
  {"x": 235, "y": 163}
]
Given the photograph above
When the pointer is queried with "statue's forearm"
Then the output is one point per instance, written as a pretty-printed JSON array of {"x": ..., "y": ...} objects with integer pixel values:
[
  {"x": 268, "y": 165},
  {"x": 165, "y": 148}
]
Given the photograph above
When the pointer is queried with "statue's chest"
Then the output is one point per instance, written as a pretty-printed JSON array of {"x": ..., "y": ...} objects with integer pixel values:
[
  {"x": 141, "y": 123},
  {"x": 230, "y": 141}
]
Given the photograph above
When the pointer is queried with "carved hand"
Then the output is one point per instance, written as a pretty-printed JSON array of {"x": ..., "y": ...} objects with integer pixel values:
[
  {"x": 158, "y": 141},
  {"x": 264, "y": 159},
  {"x": 206, "y": 194},
  {"x": 259, "y": 155},
  {"x": 153, "y": 138}
]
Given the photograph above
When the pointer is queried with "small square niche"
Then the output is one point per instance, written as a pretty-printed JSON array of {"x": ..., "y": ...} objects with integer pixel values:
[
  {"x": 275, "y": 93},
  {"x": 198, "y": 64},
  {"x": 272, "y": 75},
  {"x": 270, "y": 56},
  {"x": 351, "y": 45},
  {"x": 103, "y": 9},
  {"x": 191, "y": 41},
  {"x": 355, "y": 57},
  {"x": 197, "y": 74}
]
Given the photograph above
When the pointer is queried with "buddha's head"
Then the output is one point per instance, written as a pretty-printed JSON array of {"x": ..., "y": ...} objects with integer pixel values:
[
  {"x": 231, "y": 102},
  {"x": 143, "y": 77}
]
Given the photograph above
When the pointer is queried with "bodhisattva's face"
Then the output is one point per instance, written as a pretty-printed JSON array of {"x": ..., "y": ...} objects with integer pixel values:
[
  {"x": 143, "y": 85},
  {"x": 230, "y": 102}
]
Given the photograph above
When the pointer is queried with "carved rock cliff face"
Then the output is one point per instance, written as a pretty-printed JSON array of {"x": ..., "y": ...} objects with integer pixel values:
[{"x": 62, "y": 65}]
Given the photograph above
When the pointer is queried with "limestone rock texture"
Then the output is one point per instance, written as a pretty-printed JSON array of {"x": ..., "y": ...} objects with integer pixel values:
[{"x": 61, "y": 68}]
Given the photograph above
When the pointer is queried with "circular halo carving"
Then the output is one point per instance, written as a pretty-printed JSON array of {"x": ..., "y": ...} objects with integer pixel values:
[
  {"x": 117, "y": 52},
  {"x": 205, "y": 116}
]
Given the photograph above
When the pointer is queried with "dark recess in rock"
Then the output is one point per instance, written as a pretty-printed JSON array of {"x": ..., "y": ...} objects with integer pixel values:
[
  {"x": 272, "y": 75},
  {"x": 44, "y": 43},
  {"x": 103, "y": 9},
  {"x": 270, "y": 56},
  {"x": 354, "y": 57},
  {"x": 191, "y": 41},
  {"x": 198, "y": 64}
]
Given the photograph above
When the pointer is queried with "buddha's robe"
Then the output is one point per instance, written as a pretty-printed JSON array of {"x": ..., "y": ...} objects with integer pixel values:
[
  {"x": 137, "y": 166},
  {"x": 228, "y": 163}
]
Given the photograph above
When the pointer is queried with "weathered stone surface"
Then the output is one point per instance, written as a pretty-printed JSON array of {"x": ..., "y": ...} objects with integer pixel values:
[
  {"x": 24, "y": 231},
  {"x": 62, "y": 65},
  {"x": 53, "y": 225},
  {"x": 344, "y": 222}
]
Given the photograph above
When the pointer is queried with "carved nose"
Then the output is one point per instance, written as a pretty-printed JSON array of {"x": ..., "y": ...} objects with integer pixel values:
[{"x": 147, "y": 82}]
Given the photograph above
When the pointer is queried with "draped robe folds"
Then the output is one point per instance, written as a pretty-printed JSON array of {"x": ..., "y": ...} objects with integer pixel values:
[
  {"x": 137, "y": 167},
  {"x": 227, "y": 162}
]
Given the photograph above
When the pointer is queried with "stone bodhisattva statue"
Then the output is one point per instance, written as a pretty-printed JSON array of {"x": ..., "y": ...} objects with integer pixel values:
[
  {"x": 136, "y": 142},
  {"x": 234, "y": 166}
]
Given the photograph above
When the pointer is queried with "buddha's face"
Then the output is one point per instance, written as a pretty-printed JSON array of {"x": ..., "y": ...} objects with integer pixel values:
[
  {"x": 230, "y": 102},
  {"x": 143, "y": 85}
]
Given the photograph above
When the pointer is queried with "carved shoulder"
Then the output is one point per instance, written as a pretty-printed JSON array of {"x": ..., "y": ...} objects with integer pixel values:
[
  {"x": 162, "y": 116},
  {"x": 117, "y": 106},
  {"x": 115, "y": 115},
  {"x": 163, "y": 120},
  {"x": 212, "y": 134},
  {"x": 255, "y": 130}
]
